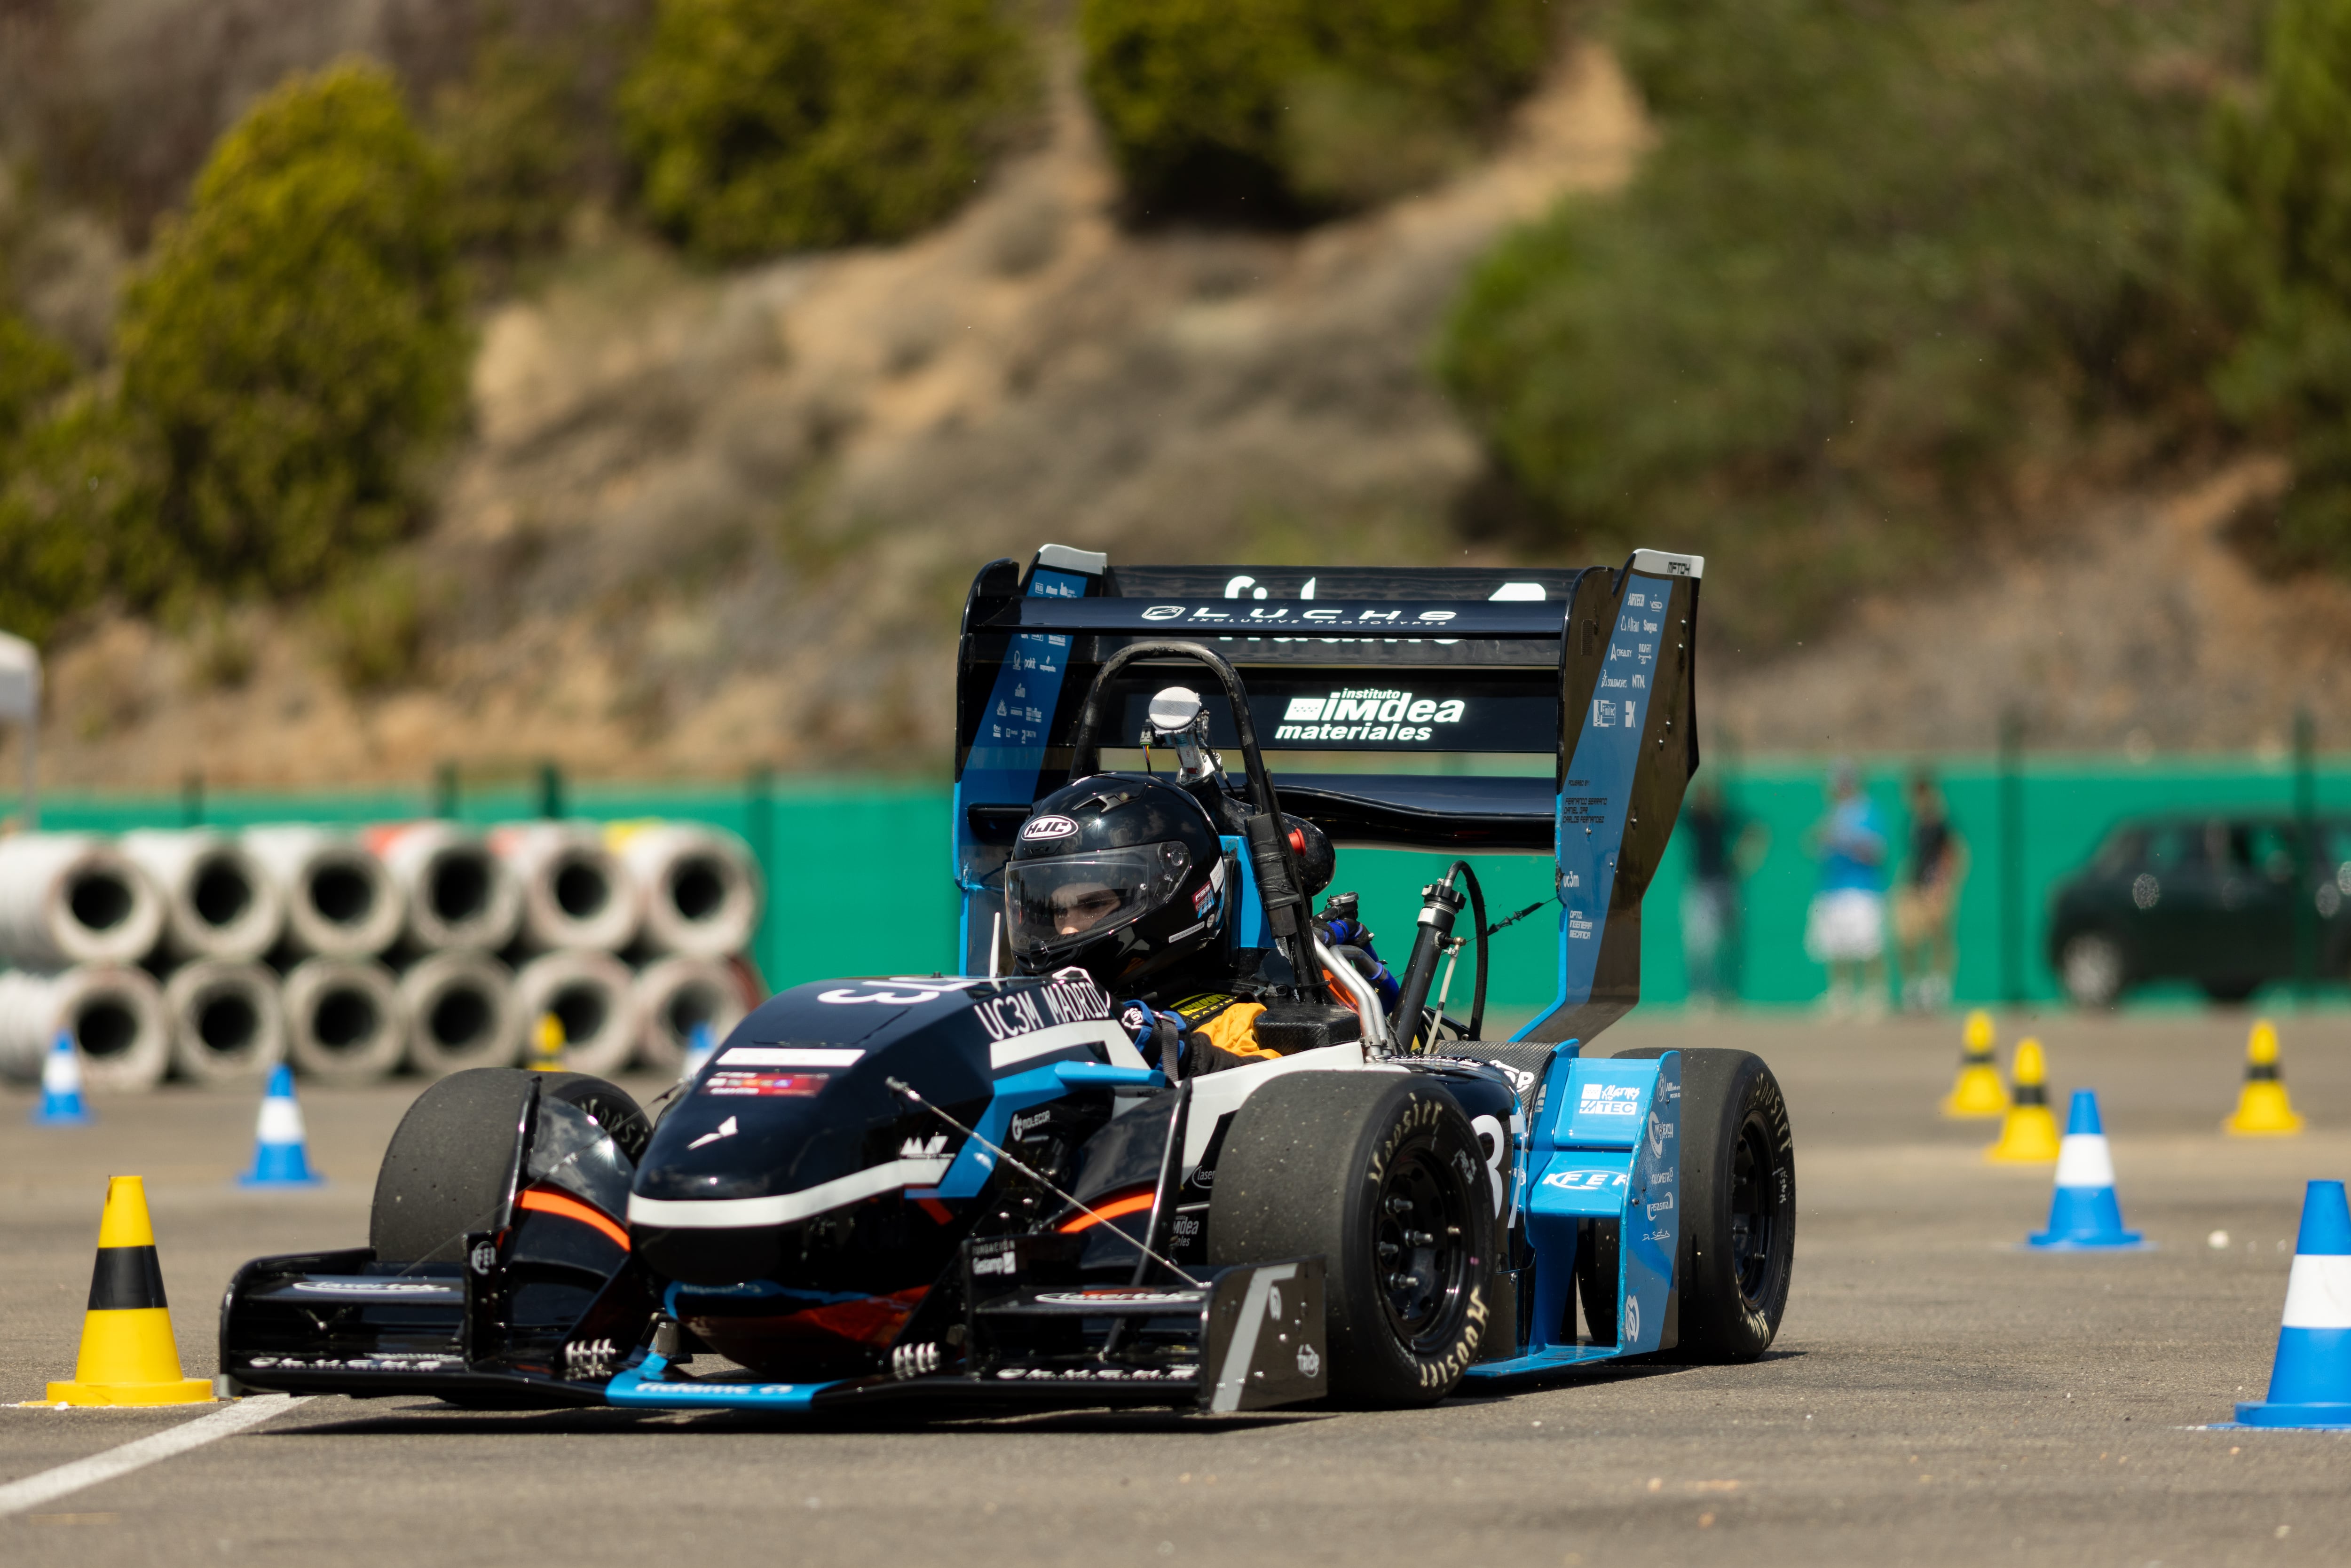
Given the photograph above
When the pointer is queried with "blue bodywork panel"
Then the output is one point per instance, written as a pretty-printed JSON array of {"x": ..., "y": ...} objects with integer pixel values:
[
  {"x": 642, "y": 1389},
  {"x": 1606, "y": 1147}
]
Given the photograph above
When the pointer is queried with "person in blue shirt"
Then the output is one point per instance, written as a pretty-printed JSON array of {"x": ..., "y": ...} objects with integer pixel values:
[{"x": 1846, "y": 929}]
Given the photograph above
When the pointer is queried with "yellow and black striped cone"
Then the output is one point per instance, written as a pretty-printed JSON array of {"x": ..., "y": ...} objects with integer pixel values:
[
  {"x": 128, "y": 1354},
  {"x": 2028, "y": 1136},
  {"x": 1977, "y": 1095},
  {"x": 547, "y": 1045},
  {"x": 2263, "y": 1111}
]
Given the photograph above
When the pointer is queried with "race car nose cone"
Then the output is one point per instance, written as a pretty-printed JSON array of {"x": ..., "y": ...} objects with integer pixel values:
[{"x": 717, "y": 1259}]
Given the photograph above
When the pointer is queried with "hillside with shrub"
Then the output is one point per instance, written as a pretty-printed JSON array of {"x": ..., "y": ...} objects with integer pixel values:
[{"x": 637, "y": 386}]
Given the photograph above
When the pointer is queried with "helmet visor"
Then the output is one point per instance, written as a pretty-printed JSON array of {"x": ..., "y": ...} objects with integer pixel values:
[{"x": 1072, "y": 899}]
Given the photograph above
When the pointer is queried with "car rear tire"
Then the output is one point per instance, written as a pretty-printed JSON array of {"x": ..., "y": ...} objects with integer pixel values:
[
  {"x": 449, "y": 1163},
  {"x": 1738, "y": 1206},
  {"x": 1381, "y": 1176},
  {"x": 2095, "y": 969},
  {"x": 2229, "y": 993}
]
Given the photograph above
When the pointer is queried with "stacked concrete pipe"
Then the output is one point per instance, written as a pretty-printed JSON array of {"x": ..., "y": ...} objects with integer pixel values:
[
  {"x": 73, "y": 898},
  {"x": 675, "y": 996},
  {"x": 574, "y": 892},
  {"x": 218, "y": 900},
  {"x": 226, "y": 1021},
  {"x": 114, "y": 1013},
  {"x": 701, "y": 887},
  {"x": 340, "y": 900},
  {"x": 591, "y": 996},
  {"x": 462, "y": 1012},
  {"x": 458, "y": 893}
]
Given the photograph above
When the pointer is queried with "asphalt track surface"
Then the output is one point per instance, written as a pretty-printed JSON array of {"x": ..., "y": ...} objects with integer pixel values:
[{"x": 1935, "y": 1395}]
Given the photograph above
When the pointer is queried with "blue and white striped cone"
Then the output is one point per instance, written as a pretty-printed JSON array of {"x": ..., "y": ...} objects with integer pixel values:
[
  {"x": 2310, "y": 1382},
  {"x": 61, "y": 1104},
  {"x": 699, "y": 1046},
  {"x": 279, "y": 1156},
  {"x": 2083, "y": 1215}
]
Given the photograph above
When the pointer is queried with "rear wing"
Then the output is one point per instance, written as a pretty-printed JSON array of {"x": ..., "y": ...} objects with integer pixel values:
[{"x": 1593, "y": 667}]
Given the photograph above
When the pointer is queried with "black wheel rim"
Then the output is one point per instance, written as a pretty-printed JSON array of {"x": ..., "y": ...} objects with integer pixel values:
[
  {"x": 1756, "y": 1185},
  {"x": 1421, "y": 1245}
]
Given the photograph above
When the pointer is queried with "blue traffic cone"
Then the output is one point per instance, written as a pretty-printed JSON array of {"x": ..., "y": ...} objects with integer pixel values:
[
  {"x": 61, "y": 1104},
  {"x": 2084, "y": 1215},
  {"x": 279, "y": 1158},
  {"x": 2310, "y": 1382},
  {"x": 699, "y": 1045}
]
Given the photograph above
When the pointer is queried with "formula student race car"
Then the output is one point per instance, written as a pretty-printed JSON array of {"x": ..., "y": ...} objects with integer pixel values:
[{"x": 991, "y": 1187}]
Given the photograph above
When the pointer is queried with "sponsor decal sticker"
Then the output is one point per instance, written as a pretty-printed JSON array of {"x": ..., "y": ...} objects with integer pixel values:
[
  {"x": 1049, "y": 827},
  {"x": 1121, "y": 1296},
  {"x": 1309, "y": 1364},
  {"x": 371, "y": 1287},
  {"x": 765, "y": 1084},
  {"x": 1367, "y": 713},
  {"x": 1584, "y": 1181},
  {"x": 1609, "y": 1100}
]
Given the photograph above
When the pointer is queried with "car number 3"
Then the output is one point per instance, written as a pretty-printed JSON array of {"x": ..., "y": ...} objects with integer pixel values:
[{"x": 848, "y": 995}]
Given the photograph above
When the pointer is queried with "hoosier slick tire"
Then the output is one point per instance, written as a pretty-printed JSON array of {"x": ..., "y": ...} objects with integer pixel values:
[
  {"x": 1380, "y": 1174},
  {"x": 1739, "y": 1205},
  {"x": 447, "y": 1170}
]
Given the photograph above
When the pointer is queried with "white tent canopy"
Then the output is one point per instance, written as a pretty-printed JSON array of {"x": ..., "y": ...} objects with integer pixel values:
[{"x": 20, "y": 705}]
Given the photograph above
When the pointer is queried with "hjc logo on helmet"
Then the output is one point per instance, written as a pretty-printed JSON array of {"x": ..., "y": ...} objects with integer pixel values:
[{"x": 1049, "y": 828}]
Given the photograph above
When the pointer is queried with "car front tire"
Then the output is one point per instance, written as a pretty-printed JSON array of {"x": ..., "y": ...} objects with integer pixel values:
[{"x": 1382, "y": 1176}]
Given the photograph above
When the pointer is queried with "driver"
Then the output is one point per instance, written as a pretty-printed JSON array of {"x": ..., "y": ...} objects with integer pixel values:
[{"x": 1123, "y": 876}]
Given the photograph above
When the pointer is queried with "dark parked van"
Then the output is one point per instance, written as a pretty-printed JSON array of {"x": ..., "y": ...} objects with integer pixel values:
[{"x": 2209, "y": 899}]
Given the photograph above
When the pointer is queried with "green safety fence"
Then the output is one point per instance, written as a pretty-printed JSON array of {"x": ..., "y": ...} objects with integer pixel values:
[{"x": 858, "y": 882}]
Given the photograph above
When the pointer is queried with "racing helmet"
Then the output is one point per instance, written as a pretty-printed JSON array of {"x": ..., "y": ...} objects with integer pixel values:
[{"x": 1121, "y": 874}]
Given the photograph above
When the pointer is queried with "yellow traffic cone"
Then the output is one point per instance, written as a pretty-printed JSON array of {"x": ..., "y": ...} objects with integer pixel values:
[
  {"x": 2262, "y": 1109},
  {"x": 1977, "y": 1095},
  {"x": 547, "y": 1044},
  {"x": 2028, "y": 1136},
  {"x": 128, "y": 1354}
]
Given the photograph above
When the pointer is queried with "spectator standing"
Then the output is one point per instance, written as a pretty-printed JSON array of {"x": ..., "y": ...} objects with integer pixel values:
[
  {"x": 1846, "y": 929},
  {"x": 1724, "y": 849},
  {"x": 1926, "y": 907}
]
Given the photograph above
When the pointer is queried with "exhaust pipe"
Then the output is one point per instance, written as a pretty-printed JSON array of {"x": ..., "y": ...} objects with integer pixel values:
[
  {"x": 575, "y": 893},
  {"x": 114, "y": 1013},
  {"x": 225, "y": 1022},
  {"x": 71, "y": 898},
  {"x": 218, "y": 903},
  {"x": 701, "y": 892},
  {"x": 340, "y": 902},
  {"x": 458, "y": 893},
  {"x": 674, "y": 996},
  {"x": 589, "y": 995},
  {"x": 344, "y": 1021},
  {"x": 461, "y": 1013}
]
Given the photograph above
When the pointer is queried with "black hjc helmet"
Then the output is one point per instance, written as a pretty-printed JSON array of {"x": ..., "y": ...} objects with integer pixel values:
[{"x": 1120, "y": 874}]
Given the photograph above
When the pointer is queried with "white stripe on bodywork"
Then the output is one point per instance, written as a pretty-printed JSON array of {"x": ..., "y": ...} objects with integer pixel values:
[
  {"x": 1102, "y": 1032},
  {"x": 1233, "y": 1377},
  {"x": 2083, "y": 1160},
  {"x": 788, "y": 1056},
  {"x": 748, "y": 1213},
  {"x": 2318, "y": 1294}
]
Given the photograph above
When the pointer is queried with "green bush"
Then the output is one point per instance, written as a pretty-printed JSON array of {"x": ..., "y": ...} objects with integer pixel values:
[
  {"x": 33, "y": 369},
  {"x": 2277, "y": 239},
  {"x": 296, "y": 342},
  {"x": 79, "y": 494},
  {"x": 1887, "y": 268},
  {"x": 373, "y": 624},
  {"x": 767, "y": 125},
  {"x": 516, "y": 148},
  {"x": 1285, "y": 108}
]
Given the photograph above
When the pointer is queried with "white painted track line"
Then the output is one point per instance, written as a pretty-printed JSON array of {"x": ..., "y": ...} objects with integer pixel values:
[{"x": 34, "y": 1490}]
